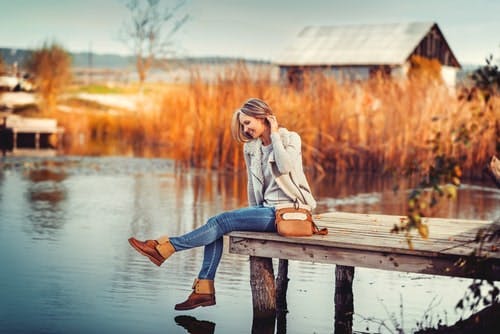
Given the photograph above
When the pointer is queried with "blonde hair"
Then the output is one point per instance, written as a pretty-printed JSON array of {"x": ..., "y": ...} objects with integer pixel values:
[{"x": 253, "y": 107}]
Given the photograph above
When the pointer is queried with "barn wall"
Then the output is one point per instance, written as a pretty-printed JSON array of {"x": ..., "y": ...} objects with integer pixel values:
[
  {"x": 348, "y": 73},
  {"x": 449, "y": 75},
  {"x": 400, "y": 72},
  {"x": 295, "y": 75},
  {"x": 434, "y": 46}
]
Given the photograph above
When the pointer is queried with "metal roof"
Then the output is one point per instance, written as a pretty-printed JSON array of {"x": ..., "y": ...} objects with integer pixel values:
[{"x": 365, "y": 44}]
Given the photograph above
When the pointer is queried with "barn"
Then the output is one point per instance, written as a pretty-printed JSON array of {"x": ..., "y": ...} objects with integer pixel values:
[{"x": 355, "y": 52}]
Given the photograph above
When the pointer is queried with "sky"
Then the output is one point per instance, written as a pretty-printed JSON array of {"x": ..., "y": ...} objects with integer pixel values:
[{"x": 255, "y": 29}]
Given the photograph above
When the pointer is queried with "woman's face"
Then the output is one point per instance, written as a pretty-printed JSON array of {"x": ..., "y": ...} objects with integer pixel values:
[{"x": 252, "y": 126}]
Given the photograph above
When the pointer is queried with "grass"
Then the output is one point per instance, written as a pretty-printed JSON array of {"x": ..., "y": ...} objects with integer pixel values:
[{"x": 100, "y": 89}]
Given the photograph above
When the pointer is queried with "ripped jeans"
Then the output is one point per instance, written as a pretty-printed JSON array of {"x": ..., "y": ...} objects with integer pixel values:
[{"x": 210, "y": 235}]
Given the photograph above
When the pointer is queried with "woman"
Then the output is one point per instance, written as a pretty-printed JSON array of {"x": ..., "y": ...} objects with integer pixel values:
[{"x": 275, "y": 176}]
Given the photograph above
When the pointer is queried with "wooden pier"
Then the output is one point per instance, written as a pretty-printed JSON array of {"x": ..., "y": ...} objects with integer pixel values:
[
  {"x": 365, "y": 240},
  {"x": 17, "y": 132}
]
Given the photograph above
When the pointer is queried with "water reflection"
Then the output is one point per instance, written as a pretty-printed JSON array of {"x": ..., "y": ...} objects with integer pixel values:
[
  {"x": 264, "y": 326},
  {"x": 2, "y": 177},
  {"x": 259, "y": 326},
  {"x": 195, "y": 326},
  {"x": 368, "y": 193},
  {"x": 45, "y": 192}
]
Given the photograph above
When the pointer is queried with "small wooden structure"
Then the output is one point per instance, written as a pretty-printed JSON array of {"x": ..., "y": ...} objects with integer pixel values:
[
  {"x": 32, "y": 133},
  {"x": 365, "y": 240},
  {"x": 357, "y": 51},
  {"x": 494, "y": 170}
]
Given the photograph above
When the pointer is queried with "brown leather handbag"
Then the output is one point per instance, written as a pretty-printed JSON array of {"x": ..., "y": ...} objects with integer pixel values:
[{"x": 294, "y": 220}]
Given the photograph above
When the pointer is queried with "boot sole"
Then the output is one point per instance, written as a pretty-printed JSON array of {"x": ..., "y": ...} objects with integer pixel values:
[
  {"x": 195, "y": 306},
  {"x": 152, "y": 259}
]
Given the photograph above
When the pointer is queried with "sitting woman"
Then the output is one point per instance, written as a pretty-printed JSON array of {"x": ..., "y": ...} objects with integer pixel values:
[{"x": 275, "y": 176}]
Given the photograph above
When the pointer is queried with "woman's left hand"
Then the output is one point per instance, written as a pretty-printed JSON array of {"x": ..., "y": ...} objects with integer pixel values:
[{"x": 273, "y": 123}]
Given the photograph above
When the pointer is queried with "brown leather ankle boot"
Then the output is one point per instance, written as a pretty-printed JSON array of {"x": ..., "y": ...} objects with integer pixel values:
[
  {"x": 156, "y": 251},
  {"x": 203, "y": 295},
  {"x": 165, "y": 248}
]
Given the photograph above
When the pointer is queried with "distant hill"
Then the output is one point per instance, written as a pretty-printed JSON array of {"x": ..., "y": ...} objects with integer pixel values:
[
  {"x": 79, "y": 59},
  {"x": 85, "y": 60},
  {"x": 111, "y": 61},
  {"x": 11, "y": 56}
]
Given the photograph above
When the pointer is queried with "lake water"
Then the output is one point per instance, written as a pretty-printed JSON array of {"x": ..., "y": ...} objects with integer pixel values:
[{"x": 66, "y": 266}]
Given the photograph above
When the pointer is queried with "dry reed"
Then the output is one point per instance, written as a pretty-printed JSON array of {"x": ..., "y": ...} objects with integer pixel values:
[{"x": 375, "y": 125}]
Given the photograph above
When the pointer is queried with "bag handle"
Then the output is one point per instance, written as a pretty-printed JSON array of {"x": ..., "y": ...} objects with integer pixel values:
[
  {"x": 283, "y": 211},
  {"x": 319, "y": 231}
]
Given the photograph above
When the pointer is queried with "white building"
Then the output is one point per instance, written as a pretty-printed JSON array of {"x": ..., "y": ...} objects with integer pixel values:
[{"x": 356, "y": 51}]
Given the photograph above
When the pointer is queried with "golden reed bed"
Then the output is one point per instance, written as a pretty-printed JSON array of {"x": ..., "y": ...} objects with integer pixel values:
[{"x": 377, "y": 125}]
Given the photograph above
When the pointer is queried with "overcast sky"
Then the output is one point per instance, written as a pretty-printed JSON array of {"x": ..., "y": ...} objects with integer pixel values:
[{"x": 257, "y": 29}]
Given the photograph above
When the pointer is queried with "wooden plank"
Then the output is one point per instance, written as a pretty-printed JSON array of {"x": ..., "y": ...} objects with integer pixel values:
[
  {"x": 435, "y": 242},
  {"x": 438, "y": 227},
  {"x": 352, "y": 216},
  {"x": 365, "y": 240},
  {"x": 31, "y": 125},
  {"x": 380, "y": 221},
  {"x": 445, "y": 233},
  {"x": 310, "y": 252},
  {"x": 382, "y": 243}
]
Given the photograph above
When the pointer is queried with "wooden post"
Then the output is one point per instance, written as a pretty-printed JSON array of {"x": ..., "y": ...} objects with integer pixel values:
[
  {"x": 282, "y": 285},
  {"x": 3, "y": 136},
  {"x": 281, "y": 289},
  {"x": 263, "y": 287},
  {"x": 344, "y": 303},
  {"x": 263, "y": 325}
]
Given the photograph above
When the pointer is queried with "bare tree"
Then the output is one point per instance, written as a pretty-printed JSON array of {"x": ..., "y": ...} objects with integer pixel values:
[{"x": 149, "y": 31}]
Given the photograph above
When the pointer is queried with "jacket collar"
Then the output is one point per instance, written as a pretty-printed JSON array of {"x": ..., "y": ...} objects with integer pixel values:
[{"x": 253, "y": 147}]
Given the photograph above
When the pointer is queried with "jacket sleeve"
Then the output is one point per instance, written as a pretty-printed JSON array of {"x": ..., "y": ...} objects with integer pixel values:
[
  {"x": 289, "y": 155},
  {"x": 252, "y": 201}
]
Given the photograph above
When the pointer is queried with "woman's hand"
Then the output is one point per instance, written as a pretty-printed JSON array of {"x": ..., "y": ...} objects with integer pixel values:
[{"x": 273, "y": 123}]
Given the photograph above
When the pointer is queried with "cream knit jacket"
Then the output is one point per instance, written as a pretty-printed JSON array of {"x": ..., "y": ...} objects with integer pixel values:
[{"x": 286, "y": 166}]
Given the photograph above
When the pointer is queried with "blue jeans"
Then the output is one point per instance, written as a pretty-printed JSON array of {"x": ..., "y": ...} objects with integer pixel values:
[{"x": 210, "y": 235}]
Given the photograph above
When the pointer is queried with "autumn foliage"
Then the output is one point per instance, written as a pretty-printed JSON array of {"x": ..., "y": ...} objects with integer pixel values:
[
  {"x": 51, "y": 67},
  {"x": 424, "y": 69}
]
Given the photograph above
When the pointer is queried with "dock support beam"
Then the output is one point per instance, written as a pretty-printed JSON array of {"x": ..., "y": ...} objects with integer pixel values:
[
  {"x": 263, "y": 287},
  {"x": 344, "y": 301},
  {"x": 282, "y": 286},
  {"x": 281, "y": 289},
  {"x": 263, "y": 295},
  {"x": 14, "y": 140},
  {"x": 3, "y": 136},
  {"x": 269, "y": 296}
]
